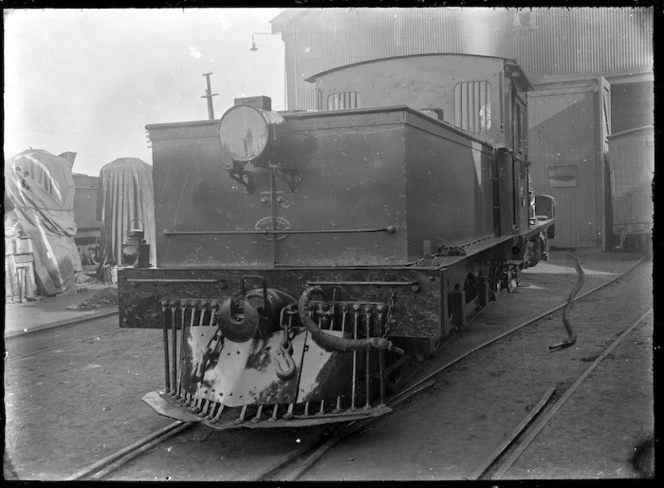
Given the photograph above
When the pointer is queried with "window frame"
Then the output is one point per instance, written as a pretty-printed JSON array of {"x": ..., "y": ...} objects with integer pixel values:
[{"x": 467, "y": 98}]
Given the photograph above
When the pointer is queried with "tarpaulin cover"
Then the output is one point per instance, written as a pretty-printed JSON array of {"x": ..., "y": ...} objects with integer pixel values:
[
  {"x": 40, "y": 187},
  {"x": 126, "y": 194}
]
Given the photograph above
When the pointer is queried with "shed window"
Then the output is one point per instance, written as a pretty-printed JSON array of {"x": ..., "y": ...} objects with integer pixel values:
[
  {"x": 472, "y": 106},
  {"x": 343, "y": 100},
  {"x": 563, "y": 176}
]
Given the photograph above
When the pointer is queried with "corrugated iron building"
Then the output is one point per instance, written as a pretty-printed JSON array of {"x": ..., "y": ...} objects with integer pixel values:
[{"x": 550, "y": 44}]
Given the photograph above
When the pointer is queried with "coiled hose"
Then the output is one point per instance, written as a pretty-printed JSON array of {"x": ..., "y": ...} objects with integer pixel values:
[
  {"x": 571, "y": 339},
  {"x": 334, "y": 343}
]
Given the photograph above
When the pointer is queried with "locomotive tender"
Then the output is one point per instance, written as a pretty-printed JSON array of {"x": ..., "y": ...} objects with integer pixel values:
[{"x": 308, "y": 261}]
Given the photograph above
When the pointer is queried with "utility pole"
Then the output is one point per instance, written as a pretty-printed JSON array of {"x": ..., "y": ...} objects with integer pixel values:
[{"x": 209, "y": 95}]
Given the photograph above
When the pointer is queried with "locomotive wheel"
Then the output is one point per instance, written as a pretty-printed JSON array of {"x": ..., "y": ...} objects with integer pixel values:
[
  {"x": 495, "y": 281},
  {"x": 470, "y": 287},
  {"x": 509, "y": 281},
  {"x": 93, "y": 252},
  {"x": 397, "y": 373},
  {"x": 93, "y": 258},
  {"x": 507, "y": 278},
  {"x": 433, "y": 345}
]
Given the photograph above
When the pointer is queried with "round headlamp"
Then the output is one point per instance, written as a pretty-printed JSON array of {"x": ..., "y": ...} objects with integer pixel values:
[{"x": 247, "y": 133}]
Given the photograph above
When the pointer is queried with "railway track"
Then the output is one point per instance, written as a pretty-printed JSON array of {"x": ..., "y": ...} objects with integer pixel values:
[
  {"x": 105, "y": 466},
  {"x": 39, "y": 332},
  {"x": 292, "y": 465},
  {"x": 504, "y": 456},
  {"x": 61, "y": 324}
]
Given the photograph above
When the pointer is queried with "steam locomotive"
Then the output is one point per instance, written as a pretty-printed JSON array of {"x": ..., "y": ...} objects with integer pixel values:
[{"x": 308, "y": 261}]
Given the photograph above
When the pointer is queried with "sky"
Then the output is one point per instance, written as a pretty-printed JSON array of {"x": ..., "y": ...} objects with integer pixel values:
[{"x": 89, "y": 81}]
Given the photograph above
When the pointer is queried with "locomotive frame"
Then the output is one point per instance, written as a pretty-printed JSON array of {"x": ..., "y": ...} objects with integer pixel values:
[{"x": 313, "y": 313}]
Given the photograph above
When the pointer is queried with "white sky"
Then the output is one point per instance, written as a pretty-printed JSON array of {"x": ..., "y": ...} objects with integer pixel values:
[{"x": 89, "y": 81}]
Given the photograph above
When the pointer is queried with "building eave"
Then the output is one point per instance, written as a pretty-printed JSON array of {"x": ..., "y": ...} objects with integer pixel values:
[
  {"x": 280, "y": 22},
  {"x": 614, "y": 78}
]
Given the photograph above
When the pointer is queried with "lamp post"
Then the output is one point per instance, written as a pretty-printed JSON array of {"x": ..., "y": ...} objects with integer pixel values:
[
  {"x": 254, "y": 48},
  {"x": 253, "y": 41}
]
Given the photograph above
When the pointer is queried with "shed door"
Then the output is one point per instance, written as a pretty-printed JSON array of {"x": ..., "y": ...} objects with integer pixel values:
[{"x": 564, "y": 151}]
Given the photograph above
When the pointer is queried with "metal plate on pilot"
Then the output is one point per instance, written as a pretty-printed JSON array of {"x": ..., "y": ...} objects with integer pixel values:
[
  {"x": 239, "y": 373},
  {"x": 325, "y": 374}
]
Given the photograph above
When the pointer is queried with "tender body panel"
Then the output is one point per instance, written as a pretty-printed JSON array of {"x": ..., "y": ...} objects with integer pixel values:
[
  {"x": 344, "y": 176},
  {"x": 449, "y": 185},
  {"x": 348, "y": 175}
]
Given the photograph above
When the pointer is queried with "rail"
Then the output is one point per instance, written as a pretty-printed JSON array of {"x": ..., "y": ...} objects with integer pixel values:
[
  {"x": 9, "y": 359},
  {"x": 63, "y": 323},
  {"x": 104, "y": 466},
  {"x": 495, "y": 467}
]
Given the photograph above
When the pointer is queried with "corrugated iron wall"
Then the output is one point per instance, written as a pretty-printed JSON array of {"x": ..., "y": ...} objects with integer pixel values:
[
  {"x": 561, "y": 41},
  {"x": 585, "y": 41}
]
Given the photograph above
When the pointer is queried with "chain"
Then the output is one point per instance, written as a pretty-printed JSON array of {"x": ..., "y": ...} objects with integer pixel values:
[
  {"x": 390, "y": 306},
  {"x": 286, "y": 325}
]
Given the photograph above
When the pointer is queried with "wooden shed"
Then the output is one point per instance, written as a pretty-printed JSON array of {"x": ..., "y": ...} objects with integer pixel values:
[
  {"x": 632, "y": 162},
  {"x": 569, "y": 120}
]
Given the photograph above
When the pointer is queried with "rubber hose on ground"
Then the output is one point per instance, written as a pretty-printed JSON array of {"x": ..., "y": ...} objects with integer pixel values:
[{"x": 571, "y": 333}]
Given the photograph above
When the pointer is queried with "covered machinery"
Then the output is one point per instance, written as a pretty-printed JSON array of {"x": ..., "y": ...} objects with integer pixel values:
[
  {"x": 40, "y": 189},
  {"x": 125, "y": 200}
]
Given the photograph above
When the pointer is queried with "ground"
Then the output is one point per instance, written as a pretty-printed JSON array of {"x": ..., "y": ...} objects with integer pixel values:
[{"x": 74, "y": 405}]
